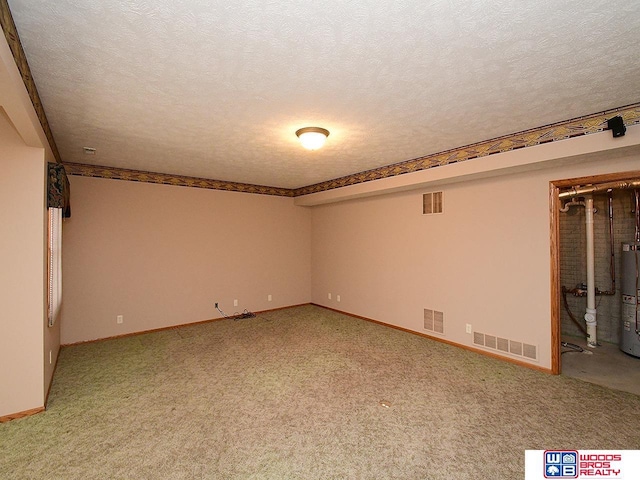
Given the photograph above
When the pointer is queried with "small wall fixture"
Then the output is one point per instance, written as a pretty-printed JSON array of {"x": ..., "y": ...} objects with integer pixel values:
[
  {"x": 616, "y": 125},
  {"x": 312, "y": 138}
]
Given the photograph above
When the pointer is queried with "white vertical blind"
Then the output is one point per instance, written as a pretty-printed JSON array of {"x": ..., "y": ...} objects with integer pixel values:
[{"x": 55, "y": 263}]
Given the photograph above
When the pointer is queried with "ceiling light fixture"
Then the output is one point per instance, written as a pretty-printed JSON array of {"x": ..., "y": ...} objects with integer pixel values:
[{"x": 312, "y": 138}]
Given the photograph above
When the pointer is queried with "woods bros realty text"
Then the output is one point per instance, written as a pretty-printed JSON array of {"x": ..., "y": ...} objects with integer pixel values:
[{"x": 601, "y": 465}]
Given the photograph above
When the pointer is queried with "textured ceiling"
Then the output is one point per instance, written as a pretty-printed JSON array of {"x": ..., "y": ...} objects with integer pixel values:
[{"x": 216, "y": 89}]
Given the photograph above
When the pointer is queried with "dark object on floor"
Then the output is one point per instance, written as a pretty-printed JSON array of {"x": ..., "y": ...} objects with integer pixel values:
[{"x": 572, "y": 347}]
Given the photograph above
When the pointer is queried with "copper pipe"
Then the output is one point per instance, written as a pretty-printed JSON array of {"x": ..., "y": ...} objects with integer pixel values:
[{"x": 582, "y": 190}]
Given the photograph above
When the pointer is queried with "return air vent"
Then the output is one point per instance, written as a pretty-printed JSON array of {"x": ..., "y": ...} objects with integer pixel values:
[
  {"x": 434, "y": 321},
  {"x": 512, "y": 347},
  {"x": 432, "y": 203},
  {"x": 490, "y": 341},
  {"x": 530, "y": 351},
  {"x": 515, "y": 347}
]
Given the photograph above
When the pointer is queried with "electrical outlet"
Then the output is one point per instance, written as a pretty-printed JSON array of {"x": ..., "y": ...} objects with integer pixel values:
[
  {"x": 329, "y": 296},
  {"x": 468, "y": 328},
  {"x": 119, "y": 319},
  {"x": 235, "y": 303},
  {"x": 269, "y": 298},
  {"x": 216, "y": 304},
  {"x": 338, "y": 298}
]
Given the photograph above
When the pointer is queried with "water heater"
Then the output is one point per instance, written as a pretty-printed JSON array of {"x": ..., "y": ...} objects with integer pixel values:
[{"x": 630, "y": 289}]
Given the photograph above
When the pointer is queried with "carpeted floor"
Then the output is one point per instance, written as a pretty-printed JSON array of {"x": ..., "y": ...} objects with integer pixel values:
[{"x": 303, "y": 393}]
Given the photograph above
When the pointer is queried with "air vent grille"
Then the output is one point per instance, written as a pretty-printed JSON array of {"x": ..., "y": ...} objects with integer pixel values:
[
  {"x": 428, "y": 319},
  {"x": 511, "y": 347},
  {"x": 515, "y": 347},
  {"x": 529, "y": 351},
  {"x": 432, "y": 203},
  {"x": 503, "y": 344},
  {"x": 434, "y": 321},
  {"x": 438, "y": 322}
]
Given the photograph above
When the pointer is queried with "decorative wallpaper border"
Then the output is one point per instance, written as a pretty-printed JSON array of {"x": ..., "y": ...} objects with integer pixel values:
[
  {"x": 585, "y": 125},
  {"x": 85, "y": 170},
  {"x": 13, "y": 39}
]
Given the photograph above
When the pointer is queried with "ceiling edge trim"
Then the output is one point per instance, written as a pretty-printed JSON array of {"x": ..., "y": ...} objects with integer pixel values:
[
  {"x": 84, "y": 170},
  {"x": 585, "y": 125},
  {"x": 580, "y": 126},
  {"x": 13, "y": 39}
]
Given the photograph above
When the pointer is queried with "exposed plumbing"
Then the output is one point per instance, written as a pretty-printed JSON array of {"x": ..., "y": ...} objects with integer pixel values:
[
  {"x": 579, "y": 190},
  {"x": 581, "y": 196},
  {"x": 568, "y": 309},
  {"x": 590, "y": 315},
  {"x": 612, "y": 257},
  {"x": 637, "y": 280},
  {"x": 589, "y": 290},
  {"x": 571, "y": 203},
  {"x": 636, "y": 194}
]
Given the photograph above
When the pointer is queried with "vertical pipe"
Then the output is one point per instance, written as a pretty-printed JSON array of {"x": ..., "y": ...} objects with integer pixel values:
[
  {"x": 637, "y": 290},
  {"x": 636, "y": 194},
  {"x": 590, "y": 315},
  {"x": 612, "y": 260}
]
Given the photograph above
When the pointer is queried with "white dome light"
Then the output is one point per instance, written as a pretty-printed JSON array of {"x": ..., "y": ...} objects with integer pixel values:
[{"x": 312, "y": 138}]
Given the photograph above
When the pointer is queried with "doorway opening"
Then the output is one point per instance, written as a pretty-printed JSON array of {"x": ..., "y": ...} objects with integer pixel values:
[{"x": 580, "y": 293}]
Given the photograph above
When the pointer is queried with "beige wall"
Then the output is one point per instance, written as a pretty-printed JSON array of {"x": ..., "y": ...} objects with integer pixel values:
[
  {"x": 162, "y": 255},
  {"x": 22, "y": 276},
  {"x": 485, "y": 261}
]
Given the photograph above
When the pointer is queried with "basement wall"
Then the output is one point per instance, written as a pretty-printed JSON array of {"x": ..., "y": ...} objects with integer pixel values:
[
  {"x": 162, "y": 255},
  {"x": 485, "y": 261}
]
